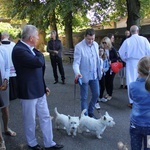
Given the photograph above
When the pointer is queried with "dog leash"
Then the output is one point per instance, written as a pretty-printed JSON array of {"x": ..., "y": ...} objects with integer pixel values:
[
  {"x": 74, "y": 97},
  {"x": 76, "y": 81}
]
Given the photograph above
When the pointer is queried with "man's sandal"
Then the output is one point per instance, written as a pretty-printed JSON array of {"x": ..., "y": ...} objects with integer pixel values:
[
  {"x": 2, "y": 145},
  {"x": 10, "y": 132}
]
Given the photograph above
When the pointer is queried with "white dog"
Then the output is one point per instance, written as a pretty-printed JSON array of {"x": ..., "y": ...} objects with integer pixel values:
[
  {"x": 96, "y": 125},
  {"x": 69, "y": 123}
]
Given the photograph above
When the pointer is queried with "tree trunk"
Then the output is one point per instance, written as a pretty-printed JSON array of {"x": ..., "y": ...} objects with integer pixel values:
[
  {"x": 133, "y": 8},
  {"x": 53, "y": 21},
  {"x": 68, "y": 30}
]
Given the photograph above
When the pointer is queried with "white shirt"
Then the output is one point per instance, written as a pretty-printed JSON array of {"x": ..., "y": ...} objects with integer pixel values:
[
  {"x": 9, "y": 48},
  {"x": 134, "y": 47},
  {"x": 31, "y": 48},
  {"x": 93, "y": 62},
  {"x": 4, "y": 64}
]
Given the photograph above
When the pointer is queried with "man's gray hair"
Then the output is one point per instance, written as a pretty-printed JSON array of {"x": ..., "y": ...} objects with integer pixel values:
[
  {"x": 28, "y": 30},
  {"x": 5, "y": 34},
  {"x": 134, "y": 29}
]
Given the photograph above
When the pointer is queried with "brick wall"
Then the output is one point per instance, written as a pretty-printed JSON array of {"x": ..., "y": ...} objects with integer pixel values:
[{"x": 118, "y": 32}]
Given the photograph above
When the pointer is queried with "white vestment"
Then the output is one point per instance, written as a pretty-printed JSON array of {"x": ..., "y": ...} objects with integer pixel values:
[
  {"x": 5, "y": 73},
  {"x": 9, "y": 49},
  {"x": 131, "y": 51}
]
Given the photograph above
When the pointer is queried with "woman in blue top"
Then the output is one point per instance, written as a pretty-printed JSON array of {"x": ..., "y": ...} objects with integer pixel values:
[{"x": 140, "y": 116}]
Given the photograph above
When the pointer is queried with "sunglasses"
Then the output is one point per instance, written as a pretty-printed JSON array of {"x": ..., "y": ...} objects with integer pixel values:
[{"x": 104, "y": 42}]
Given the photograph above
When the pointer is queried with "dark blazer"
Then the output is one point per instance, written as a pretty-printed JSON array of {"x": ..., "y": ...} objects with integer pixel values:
[
  {"x": 57, "y": 46},
  {"x": 30, "y": 71}
]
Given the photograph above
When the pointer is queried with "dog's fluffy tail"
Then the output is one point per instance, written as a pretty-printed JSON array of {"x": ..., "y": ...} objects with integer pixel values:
[
  {"x": 82, "y": 114},
  {"x": 55, "y": 110}
]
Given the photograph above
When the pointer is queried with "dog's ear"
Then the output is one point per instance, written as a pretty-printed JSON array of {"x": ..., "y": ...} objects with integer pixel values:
[
  {"x": 69, "y": 117},
  {"x": 106, "y": 113},
  {"x": 104, "y": 117}
]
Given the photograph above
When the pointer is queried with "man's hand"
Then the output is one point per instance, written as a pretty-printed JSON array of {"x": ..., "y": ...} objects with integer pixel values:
[
  {"x": 77, "y": 77},
  {"x": 56, "y": 52},
  {"x": 3, "y": 87},
  {"x": 47, "y": 91}
]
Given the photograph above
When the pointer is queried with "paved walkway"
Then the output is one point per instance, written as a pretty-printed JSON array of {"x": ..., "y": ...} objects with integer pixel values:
[{"x": 62, "y": 96}]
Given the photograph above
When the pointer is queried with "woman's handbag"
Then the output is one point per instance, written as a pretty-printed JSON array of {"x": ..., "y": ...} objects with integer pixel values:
[{"x": 116, "y": 66}]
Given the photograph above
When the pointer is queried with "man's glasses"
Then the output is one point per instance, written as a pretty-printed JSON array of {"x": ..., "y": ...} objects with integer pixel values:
[{"x": 104, "y": 42}]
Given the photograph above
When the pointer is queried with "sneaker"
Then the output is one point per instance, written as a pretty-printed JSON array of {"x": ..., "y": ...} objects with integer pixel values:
[
  {"x": 126, "y": 87},
  {"x": 103, "y": 99},
  {"x": 97, "y": 106},
  {"x": 106, "y": 95},
  {"x": 55, "y": 82},
  {"x": 109, "y": 98}
]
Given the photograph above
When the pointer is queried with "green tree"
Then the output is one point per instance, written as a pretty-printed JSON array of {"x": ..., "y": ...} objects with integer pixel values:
[
  {"x": 67, "y": 14},
  {"x": 114, "y": 10},
  {"x": 51, "y": 13}
]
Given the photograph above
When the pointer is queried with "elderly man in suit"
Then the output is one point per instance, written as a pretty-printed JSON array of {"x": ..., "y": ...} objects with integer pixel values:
[
  {"x": 30, "y": 66},
  {"x": 86, "y": 65}
]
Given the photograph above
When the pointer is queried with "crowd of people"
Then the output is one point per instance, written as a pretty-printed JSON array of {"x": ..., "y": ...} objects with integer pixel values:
[
  {"x": 135, "y": 54},
  {"x": 24, "y": 79},
  {"x": 22, "y": 76}
]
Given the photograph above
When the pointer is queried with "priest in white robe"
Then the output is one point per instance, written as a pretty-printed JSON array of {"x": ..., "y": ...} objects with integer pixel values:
[{"x": 131, "y": 51}]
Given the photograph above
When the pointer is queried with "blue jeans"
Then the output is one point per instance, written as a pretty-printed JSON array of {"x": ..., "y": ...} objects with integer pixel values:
[
  {"x": 138, "y": 135},
  {"x": 94, "y": 87}
]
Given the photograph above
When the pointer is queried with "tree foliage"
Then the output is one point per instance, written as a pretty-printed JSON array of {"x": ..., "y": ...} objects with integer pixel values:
[
  {"x": 69, "y": 15},
  {"x": 38, "y": 12},
  {"x": 145, "y": 11},
  {"x": 14, "y": 32}
]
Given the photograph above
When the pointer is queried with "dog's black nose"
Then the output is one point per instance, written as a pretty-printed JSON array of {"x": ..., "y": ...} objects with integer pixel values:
[{"x": 73, "y": 127}]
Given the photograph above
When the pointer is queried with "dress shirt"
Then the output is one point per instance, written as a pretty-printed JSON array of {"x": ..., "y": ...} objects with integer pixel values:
[
  {"x": 31, "y": 48},
  {"x": 93, "y": 62}
]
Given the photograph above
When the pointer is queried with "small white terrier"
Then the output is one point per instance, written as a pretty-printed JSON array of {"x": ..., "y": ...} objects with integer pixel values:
[
  {"x": 69, "y": 123},
  {"x": 96, "y": 125}
]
